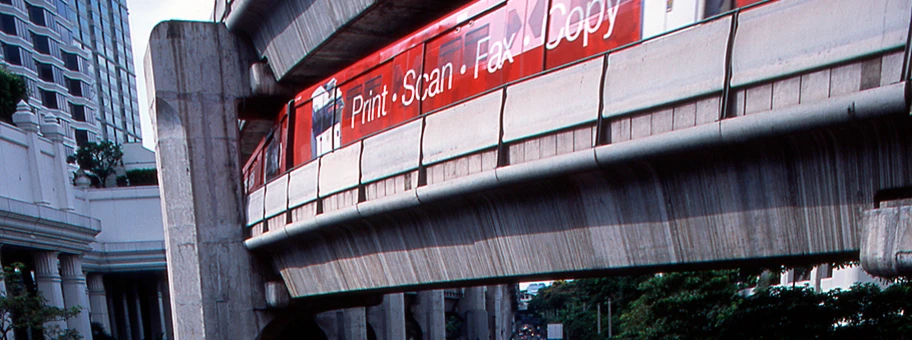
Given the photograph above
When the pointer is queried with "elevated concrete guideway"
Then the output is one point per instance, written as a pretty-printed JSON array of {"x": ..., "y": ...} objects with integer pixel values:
[
  {"x": 761, "y": 147},
  {"x": 306, "y": 41},
  {"x": 760, "y": 135}
]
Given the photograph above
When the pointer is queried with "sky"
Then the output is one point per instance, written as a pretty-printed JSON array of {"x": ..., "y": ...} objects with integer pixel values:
[{"x": 144, "y": 15}]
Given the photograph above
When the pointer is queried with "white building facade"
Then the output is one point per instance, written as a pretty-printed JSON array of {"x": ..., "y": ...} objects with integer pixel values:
[{"x": 99, "y": 249}]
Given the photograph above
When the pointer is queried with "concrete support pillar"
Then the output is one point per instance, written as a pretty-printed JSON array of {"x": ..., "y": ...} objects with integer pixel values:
[
  {"x": 429, "y": 312},
  {"x": 472, "y": 307},
  {"x": 75, "y": 294},
  {"x": 343, "y": 324},
  {"x": 388, "y": 319},
  {"x": 354, "y": 323},
  {"x": 98, "y": 304},
  {"x": 196, "y": 73},
  {"x": 47, "y": 278},
  {"x": 500, "y": 312}
]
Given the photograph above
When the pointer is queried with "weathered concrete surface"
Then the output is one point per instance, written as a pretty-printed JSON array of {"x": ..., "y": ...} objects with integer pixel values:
[
  {"x": 195, "y": 72},
  {"x": 500, "y": 311},
  {"x": 428, "y": 310},
  {"x": 343, "y": 324},
  {"x": 307, "y": 40},
  {"x": 792, "y": 195},
  {"x": 886, "y": 249},
  {"x": 388, "y": 319},
  {"x": 472, "y": 307}
]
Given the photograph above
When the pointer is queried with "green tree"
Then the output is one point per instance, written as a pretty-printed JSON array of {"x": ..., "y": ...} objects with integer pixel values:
[
  {"x": 12, "y": 90},
  {"x": 687, "y": 305},
  {"x": 24, "y": 310},
  {"x": 575, "y": 303},
  {"x": 98, "y": 160}
]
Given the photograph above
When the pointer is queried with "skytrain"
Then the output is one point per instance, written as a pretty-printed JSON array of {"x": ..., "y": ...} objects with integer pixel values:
[{"x": 477, "y": 49}]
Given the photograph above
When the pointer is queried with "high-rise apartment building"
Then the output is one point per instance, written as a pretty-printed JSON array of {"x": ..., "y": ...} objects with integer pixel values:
[
  {"x": 37, "y": 41},
  {"x": 76, "y": 57},
  {"x": 103, "y": 25}
]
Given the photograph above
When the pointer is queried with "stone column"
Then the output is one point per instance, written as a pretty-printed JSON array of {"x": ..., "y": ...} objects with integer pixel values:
[
  {"x": 472, "y": 307},
  {"x": 128, "y": 329},
  {"x": 388, "y": 319},
  {"x": 6, "y": 318},
  {"x": 75, "y": 293},
  {"x": 161, "y": 310},
  {"x": 196, "y": 74},
  {"x": 139, "y": 313},
  {"x": 430, "y": 314},
  {"x": 112, "y": 313},
  {"x": 47, "y": 278},
  {"x": 98, "y": 302}
]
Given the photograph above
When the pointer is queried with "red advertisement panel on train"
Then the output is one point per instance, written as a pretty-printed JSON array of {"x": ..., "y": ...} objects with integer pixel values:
[
  {"x": 380, "y": 98},
  {"x": 581, "y": 28},
  {"x": 498, "y": 47},
  {"x": 742, "y": 3}
]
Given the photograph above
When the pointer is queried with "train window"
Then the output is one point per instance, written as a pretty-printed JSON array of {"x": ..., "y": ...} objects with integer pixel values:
[
  {"x": 274, "y": 155},
  {"x": 716, "y": 7},
  {"x": 272, "y": 158}
]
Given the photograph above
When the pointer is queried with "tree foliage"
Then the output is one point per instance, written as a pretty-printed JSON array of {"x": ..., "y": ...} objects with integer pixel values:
[
  {"x": 98, "y": 160},
  {"x": 575, "y": 303},
  {"x": 714, "y": 305},
  {"x": 12, "y": 90},
  {"x": 24, "y": 310},
  {"x": 137, "y": 177}
]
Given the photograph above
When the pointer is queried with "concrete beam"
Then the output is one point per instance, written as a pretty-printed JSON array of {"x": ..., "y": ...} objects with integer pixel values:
[
  {"x": 886, "y": 247},
  {"x": 195, "y": 72},
  {"x": 750, "y": 200},
  {"x": 306, "y": 41}
]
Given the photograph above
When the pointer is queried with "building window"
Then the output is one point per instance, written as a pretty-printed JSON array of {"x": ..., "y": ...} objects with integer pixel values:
[
  {"x": 49, "y": 99},
  {"x": 82, "y": 137},
  {"x": 9, "y": 24},
  {"x": 78, "y": 112},
  {"x": 41, "y": 44},
  {"x": 36, "y": 15},
  {"x": 74, "y": 86},
  {"x": 71, "y": 61},
  {"x": 45, "y": 71},
  {"x": 63, "y": 10},
  {"x": 8, "y": 2},
  {"x": 11, "y": 54}
]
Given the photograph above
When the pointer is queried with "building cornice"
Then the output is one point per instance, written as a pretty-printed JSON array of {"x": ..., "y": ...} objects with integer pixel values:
[{"x": 36, "y": 226}]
